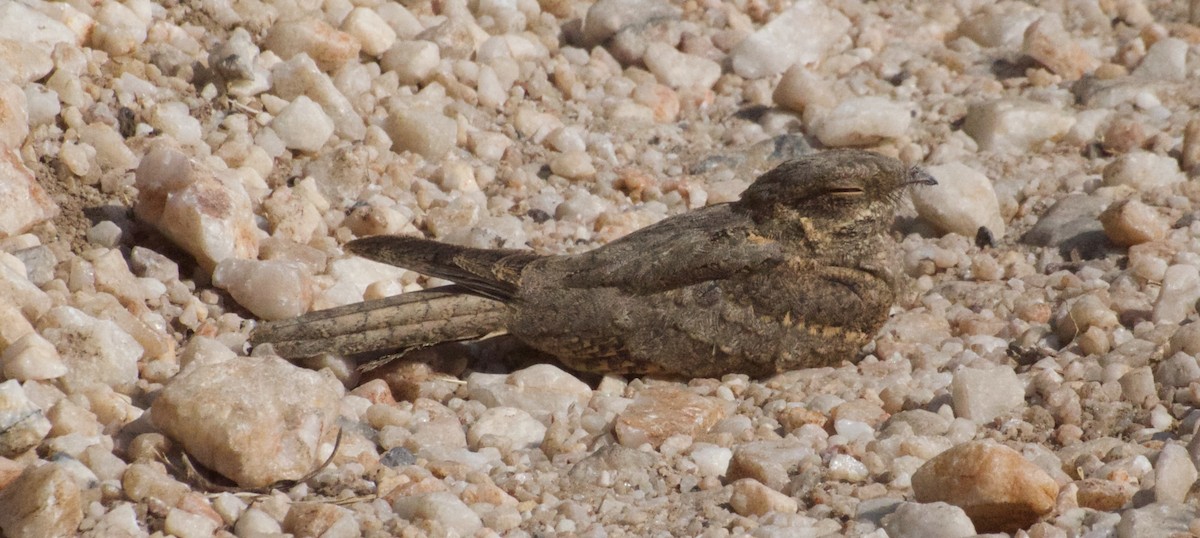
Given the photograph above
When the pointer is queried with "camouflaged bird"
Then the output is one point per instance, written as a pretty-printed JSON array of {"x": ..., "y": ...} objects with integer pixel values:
[{"x": 795, "y": 274}]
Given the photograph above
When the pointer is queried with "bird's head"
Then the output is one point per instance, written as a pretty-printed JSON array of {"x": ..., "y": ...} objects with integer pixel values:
[{"x": 830, "y": 198}]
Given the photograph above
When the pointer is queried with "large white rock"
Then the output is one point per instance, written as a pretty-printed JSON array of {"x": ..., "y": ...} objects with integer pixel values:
[
  {"x": 272, "y": 289},
  {"x": 255, "y": 420},
  {"x": 982, "y": 395},
  {"x": 541, "y": 390},
  {"x": 22, "y": 423},
  {"x": 1012, "y": 125},
  {"x": 207, "y": 215},
  {"x": 301, "y": 76},
  {"x": 685, "y": 72},
  {"x": 961, "y": 202},
  {"x": 44, "y": 500},
  {"x": 1166, "y": 60},
  {"x": 24, "y": 201},
  {"x": 1143, "y": 171},
  {"x": 31, "y": 357},
  {"x": 14, "y": 115},
  {"x": 96, "y": 351},
  {"x": 863, "y": 121},
  {"x": 26, "y": 25},
  {"x": 806, "y": 33}
]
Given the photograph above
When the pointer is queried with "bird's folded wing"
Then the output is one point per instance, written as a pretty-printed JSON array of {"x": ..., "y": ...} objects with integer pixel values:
[{"x": 713, "y": 243}]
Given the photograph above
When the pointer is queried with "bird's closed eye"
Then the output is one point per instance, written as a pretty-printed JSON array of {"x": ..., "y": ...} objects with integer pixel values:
[{"x": 846, "y": 192}]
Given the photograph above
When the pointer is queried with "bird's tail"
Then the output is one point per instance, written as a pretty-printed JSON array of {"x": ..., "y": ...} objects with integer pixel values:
[{"x": 406, "y": 321}]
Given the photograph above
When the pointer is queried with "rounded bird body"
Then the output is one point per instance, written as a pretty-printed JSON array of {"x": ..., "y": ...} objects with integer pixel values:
[{"x": 795, "y": 274}]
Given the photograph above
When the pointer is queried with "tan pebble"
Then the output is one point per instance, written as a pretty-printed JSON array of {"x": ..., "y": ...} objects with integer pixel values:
[
  {"x": 752, "y": 498},
  {"x": 329, "y": 47},
  {"x": 423, "y": 131},
  {"x": 1123, "y": 135},
  {"x": 318, "y": 519},
  {"x": 1142, "y": 170},
  {"x": 792, "y": 418},
  {"x": 1047, "y": 42},
  {"x": 1148, "y": 261},
  {"x": 985, "y": 268},
  {"x": 861, "y": 411},
  {"x": 661, "y": 412},
  {"x": 1094, "y": 341},
  {"x": 43, "y": 501},
  {"x": 1110, "y": 71},
  {"x": 371, "y": 31},
  {"x": 1087, "y": 311},
  {"x": 998, "y": 489},
  {"x": 769, "y": 462},
  {"x": 1103, "y": 495},
  {"x": 1190, "y": 153},
  {"x": 573, "y": 165},
  {"x": 1033, "y": 311},
  {"x": 1131, "y": 222},
  {"x": 662, "y": 100}
]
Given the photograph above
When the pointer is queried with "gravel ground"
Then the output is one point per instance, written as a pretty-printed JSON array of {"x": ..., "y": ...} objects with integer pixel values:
[{"x": 171, "y": 172}]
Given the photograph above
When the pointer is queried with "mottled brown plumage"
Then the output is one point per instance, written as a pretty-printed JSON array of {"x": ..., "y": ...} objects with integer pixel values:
[{"x": 795, "y": 274}]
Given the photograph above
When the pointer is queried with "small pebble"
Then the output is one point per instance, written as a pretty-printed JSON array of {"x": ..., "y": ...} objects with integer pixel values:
[
  {"x": 188, "y": 525},
  {"x": 95, "y": 351},
  {"x": 270, "y": 289},
  {"x": 1144, "y": 171},
  {"x": 1180, "y": 291},
  {"x": 412, "y": 61},
  {"x": 327, "y": 46},
  {"x": 681, "y": 71},
  {"x": 321, "y": 519},
  {"x": 573, "y": 165},
  {"x": 1165, "y": 60},
  {"x": 1130, "y": 222},
  {"x": 541, "y": 390},
  {"x": 769, "y": 462},
  {"x": 444, "y": 508},
  {"x": 660, "y": 413},
  {"x": 303, "y": 125},
  {"x": 752, "y": 498},
  {"x": 982, "y": 395},
  {"x": 1047, "y": 42},
  {"x": 31, "y": 357},
  {"x": 371, "y": 31},
  {"x": 422, "y": 131},
  {"x": 932, "y": 520},
  {"x": 105, "y": 233},
  {"x": 514, "y": 425}
]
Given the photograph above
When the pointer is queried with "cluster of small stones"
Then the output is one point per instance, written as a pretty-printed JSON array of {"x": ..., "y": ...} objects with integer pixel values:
[{"x": 170, "y": 171}]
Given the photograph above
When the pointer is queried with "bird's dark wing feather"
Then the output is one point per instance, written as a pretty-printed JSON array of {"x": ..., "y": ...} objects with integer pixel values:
[
  {"x": 491, "y": 273},
  {"x": 713, "y": 243}
]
